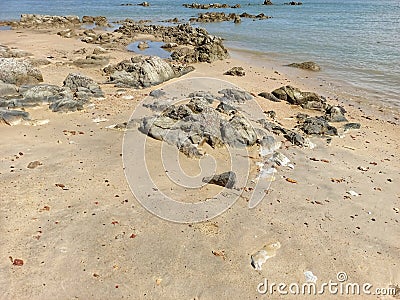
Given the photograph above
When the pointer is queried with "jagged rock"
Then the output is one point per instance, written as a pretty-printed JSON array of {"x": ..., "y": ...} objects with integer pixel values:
[
  {"x": 238, "y": 132},
  {"x": 18, "y": 72},
  {"x": 335, "y": 114},
  {"x": 269, "y": 96},
  {"x": 318, "y": 126},
  {"x": 210, "y": 17},
  {"x": 233, "y": 95},
  {"x": 295, "y": 96},
  {"x": 227, "y": 179},
  {"x": 236, "y": 71},
  {"x": 100, "y": 21},
  {"x": 267, "y": 2},
  {"x": 83, "y": 84},
  {"x": 40, "y": 94},
  {"x": 308, "y": 65},
  {"x": 225, "y": 108},
  {"x": 66, "y": 105},
  {"x": 144, "y": 4},
  {"x": 295, "y": 138},
  {"x": 144, "y": 71}
]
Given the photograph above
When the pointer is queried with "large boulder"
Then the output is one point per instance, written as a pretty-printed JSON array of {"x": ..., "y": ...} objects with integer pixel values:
[
  {"x": 82, "y": 85},
  {"x": 19, "y": 72},
  {"x": 142, "y": 71},
  {"x": 295, "y": 96}
]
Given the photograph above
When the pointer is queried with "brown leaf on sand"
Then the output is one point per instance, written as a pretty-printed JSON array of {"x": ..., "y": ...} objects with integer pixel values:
[
  {"x": 18, "y": 262},
  {"x": 291, "y": 180},
  {"x": 220, "y": 253}
]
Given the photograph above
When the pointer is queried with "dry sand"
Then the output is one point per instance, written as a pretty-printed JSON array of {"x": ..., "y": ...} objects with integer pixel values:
[{"x": 94, "y": 240}]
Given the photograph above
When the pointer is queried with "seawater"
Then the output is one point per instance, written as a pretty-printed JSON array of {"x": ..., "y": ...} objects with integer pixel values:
[{"x": 357, "y": 42}]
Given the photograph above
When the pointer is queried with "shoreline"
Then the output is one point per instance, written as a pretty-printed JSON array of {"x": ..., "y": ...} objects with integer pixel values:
[{"x": 75, "y": 223}]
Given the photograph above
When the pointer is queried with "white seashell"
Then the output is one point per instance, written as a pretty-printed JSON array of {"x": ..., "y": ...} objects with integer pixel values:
[{"x": 353, "y": 193}]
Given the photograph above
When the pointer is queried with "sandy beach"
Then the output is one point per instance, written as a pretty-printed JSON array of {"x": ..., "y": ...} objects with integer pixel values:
[{"x": 81, "y": 233}]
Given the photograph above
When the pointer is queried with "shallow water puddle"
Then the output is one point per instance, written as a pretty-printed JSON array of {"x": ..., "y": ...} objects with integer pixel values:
[{"x": 154, "y": 49}]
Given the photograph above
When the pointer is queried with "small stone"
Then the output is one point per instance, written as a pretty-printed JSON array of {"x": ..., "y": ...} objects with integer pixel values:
[
  {"x": 227, "y": 179},
  {"x": 34, "y": 164}
]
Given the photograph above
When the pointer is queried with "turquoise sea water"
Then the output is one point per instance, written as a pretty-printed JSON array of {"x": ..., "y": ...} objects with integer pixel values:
[{"x": 357, "y": 42}]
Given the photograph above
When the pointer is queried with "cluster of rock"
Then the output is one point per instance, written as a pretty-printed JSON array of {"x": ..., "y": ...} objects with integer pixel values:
[
  {"x": 309, "y": 125},
  {"x": 45, "y": 21},
  {"x": 211, "y": 5},
  {"x": 92, "y": 37},
  {"x": 293, "y": 3},
  {"x": 143, "y": 71},
  {"x": 202, "y": 47},
  {"x": 97, "y": 20},
  {"x": 198, "y": 122},
  {"x": 19, "y": 87},
  {"x": 307, "y": 65},
  {"x": 221, "y": 17}
]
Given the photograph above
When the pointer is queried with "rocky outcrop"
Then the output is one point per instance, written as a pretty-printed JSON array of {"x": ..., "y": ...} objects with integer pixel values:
[
  {"x": 267, "y": 2},
  {"x": 269, "y": 96},
  {"x": 146, "y": 4},
  {"x": 317, "y": 126},
  {"x": 82, "y": 86},
  {"x": 91, "y": 37},
  {"x": 202, "y": 46},
  {"x": 13, "y": 117},
  {"x": 18, "y": 72},
  {"x": 210, "y": 17},
  {"x": 308, "y": 65},
  {"x": 45, "y": 21},
  {"x": 142, "y": 71},
  {"x": 211, "y": 5},
  {"x": 235, "y": 71},
  {"x": 99, "y": 21}
]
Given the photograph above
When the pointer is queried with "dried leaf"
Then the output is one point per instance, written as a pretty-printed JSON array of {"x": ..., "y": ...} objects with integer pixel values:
[
  {"x": 18, "y": 262},
  {"x": 291, "y": 180}
]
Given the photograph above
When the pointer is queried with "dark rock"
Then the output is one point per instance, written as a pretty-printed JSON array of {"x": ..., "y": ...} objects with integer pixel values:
[
  {"x": 18, "y": 72},
  {"x": 237, "y": 20},
  {"x": 144, "y": 4},
  {"x": 349, "y": 126},
  {"x": 295, "y": 96},
  {"x": 238, "y": 132},
  {"x": 235, "y": 71},
  {"x": 211, "y": 5},
  {"x": 267, "y": 2},
  {"x": 271, "y": 114},
  {"x": 318, "y": 126},
  {"x": 227, "y": 179},
  {"x": 301, "y": 117},
  {"x": 226, "y": 108},
  {"x": 308, "y": 65},
  {"x": 293, "y": 3},
  {"x": 295, "y": 138},
  {"x": 269, "y": 96}
]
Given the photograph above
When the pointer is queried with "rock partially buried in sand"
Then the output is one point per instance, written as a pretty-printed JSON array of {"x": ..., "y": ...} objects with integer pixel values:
[
  {"x": 142, "y": 71},
  {"x": 227, "y": 179},
  {"x": 18, "y": 72},
  {"x": 295, "y": 96},
  {"x": 307, "y": 65},
  {"x": 261, "y": 256},
  {"x": 13, "y": 117},
  {"x": 236, "y": 71}
]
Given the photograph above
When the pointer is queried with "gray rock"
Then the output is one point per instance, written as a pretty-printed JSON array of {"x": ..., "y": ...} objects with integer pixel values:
[
  {"x": 225, "y": 108},
  {"x": 308, "y": 65},
  {"x": 66, "y": 105},
  {"x": 227, "y": 179},
  {"x": 91, "y": 61},
  {"x": 18, "y": 72},
  {"x": 13, "y": 117},
  {"x": 235, "y": 71},
  {"x": 269, "y": 96},
  {"x": 238, "y": 132},
  {"x": 234, "y": 96},
  {"x": 40, "y": 94},
  {"x": 75, "y": 82},
  {"x": 295, "y": 138},
  {"x": 143, "y": 71},
  {"x": 157, "y": 93}
]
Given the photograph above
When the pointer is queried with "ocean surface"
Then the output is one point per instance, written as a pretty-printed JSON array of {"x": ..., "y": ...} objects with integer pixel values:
[{"x": 357, "y": 42}]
